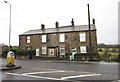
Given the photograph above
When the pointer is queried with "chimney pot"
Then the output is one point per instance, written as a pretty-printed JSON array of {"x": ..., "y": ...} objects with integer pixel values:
[
  {"x": 56, "y": 24},
  {"x": 72, "y": 22},
  {"x": 93, "y": 21},
  {"x": 42, "y": 26}
]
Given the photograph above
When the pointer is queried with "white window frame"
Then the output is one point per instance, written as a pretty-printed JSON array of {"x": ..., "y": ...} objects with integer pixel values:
[
  {"x": 62, "y": 48},
  {"x": 44, "y": 50},
  {"x": 82, "y": 37},
  {"x": 83, "y": 49},
  {"x": 28, "y": 48},
  {"x": 61, "y": 37},
  {"x": 51, "y": 50},
  {"x": 28, "y": 39},
  {"x": 44, "y": 38}
]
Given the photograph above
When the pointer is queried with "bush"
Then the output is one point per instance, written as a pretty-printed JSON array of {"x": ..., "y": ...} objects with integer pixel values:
[
  {"x": 25, "y": 52},
  {"x": 86, "y": 56},
  {"x": 19, "y": 52},
  {"x": 4, "y": 53},
  {"x": 68, "y": 54}
]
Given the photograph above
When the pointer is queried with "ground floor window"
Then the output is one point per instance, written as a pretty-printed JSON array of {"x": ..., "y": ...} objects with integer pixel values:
[
  {"x": 83, "y": 49},
  {"x": 28, "y": 48},
  {"x": 62, "y": 50},
  {"x": 44, "y": 50},
  {"x": 51, "y": 51}
]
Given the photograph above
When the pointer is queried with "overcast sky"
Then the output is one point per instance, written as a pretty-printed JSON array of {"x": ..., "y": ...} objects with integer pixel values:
[{"x": 30, "y": 14}]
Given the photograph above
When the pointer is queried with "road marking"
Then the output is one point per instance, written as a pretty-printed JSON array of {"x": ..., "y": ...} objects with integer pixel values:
[
  {"x": 41, "y": 77},
  {"x": 12, "y": 74},
  {"x": 70, "y": 77},
  {"x": 44, "y": 72},
  {"x": 33, "y": 76},
  {"x": 60, "y": 78}
]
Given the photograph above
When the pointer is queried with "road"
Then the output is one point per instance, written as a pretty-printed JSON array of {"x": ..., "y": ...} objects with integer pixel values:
[{"x": 61, "y": 71}]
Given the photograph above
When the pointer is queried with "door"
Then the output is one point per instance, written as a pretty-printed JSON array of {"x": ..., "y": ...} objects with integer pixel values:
[
  {"x": 74, "y": 51},
  {"x": 37, "y": 52}
]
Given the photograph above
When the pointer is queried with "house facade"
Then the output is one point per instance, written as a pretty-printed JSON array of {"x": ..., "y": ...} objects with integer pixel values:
[{"x": 58, "y": 41}]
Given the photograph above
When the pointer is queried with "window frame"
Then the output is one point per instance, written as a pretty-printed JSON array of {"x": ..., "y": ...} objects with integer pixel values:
[
  {"x": 28, "y": 39},
  {"x": 50, "y": 52},
  {"x": 82, "y": 36},
  {"x": 44, "y": 50},
  {"x": 62, "y": 37},
  {"x": 60, "y": 50},
  {"x": 44, "y": 38},
  {"x": 83, "y": 49}
]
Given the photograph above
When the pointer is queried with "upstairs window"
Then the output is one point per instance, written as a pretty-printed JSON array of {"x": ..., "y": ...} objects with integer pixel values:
[
  {"x": 83, "y": 49},
  {"x": 82, "y": 37},
  {"x": 62, "y": 38},
  {"x": 43, "y": 38},
  {"x": 28, "y": 39}
]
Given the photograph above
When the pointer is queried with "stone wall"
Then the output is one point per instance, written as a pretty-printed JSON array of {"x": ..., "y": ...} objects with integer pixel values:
[{"x": 72, "y": 40}]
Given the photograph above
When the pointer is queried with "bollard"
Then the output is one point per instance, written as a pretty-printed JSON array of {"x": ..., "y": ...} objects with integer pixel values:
[{"x": 10, "y": 59}]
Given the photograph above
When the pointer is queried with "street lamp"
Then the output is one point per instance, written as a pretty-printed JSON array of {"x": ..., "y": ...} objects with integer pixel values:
[
  {"x": 9, "y": 24},
  {"x": 10, "y": 55}
]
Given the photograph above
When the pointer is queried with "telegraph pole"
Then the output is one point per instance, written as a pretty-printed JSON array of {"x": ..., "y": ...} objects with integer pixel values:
[{"x": 89, "y": 31}]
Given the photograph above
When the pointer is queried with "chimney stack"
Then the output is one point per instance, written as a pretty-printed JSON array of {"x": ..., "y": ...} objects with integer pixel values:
[
  {"x": 42, "y": 26},
  {"x": 56, "y": 24},
  {"x": 72, "y": 22},
  {"x": 93, "y": 21}
]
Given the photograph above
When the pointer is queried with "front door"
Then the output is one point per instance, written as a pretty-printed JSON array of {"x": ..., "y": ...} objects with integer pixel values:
[{"x": 74, "y": 51}]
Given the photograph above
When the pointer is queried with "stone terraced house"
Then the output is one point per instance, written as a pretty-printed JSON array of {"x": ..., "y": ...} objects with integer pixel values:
[{"x": 58, "y": 41}]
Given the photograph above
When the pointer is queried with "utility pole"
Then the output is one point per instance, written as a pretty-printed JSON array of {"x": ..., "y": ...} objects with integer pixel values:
[
  {"x": 89, "y": 31},
  {"x": 9, "y": 24},
  {"x": 10, "y": 55}
]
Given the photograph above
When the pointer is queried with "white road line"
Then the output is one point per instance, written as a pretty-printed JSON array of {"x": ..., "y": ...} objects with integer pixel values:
[
  {"x": 62, "y": 78},
  {"x": 44, "y": 72},
  {"x": 12, "y": 74},
  {"x": 33, "y": 76},
  {"x": 70, "y": 77},
  {"x": 41, "y": 77}
]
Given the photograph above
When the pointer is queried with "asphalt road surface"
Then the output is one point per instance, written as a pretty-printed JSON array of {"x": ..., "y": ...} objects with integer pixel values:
[{"x": 61, "y": 71}]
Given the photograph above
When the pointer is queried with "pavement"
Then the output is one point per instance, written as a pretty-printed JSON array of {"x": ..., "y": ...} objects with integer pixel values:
[{"x": 3, "y": 67}]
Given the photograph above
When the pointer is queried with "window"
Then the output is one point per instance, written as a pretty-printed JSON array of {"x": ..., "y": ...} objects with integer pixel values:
[
  {"x": 83, "y": 49},
  {"x": 62, "y": 50},
  {"x": 44, "y": 50},
  {"x": 51, "y": 51},
  {"x": 28, "y": 48},
  {"x": 28, "y": 39},
  {"x": 43, "y": 38},
  {"x": 82, "y": 37},
  {"x": 61, "y": 38}
]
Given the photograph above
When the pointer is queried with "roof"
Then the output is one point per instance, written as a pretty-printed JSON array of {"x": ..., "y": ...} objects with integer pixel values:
[{"x": 60, "y": 29}]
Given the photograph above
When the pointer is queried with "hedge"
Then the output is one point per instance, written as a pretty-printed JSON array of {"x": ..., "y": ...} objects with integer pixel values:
[{"x": 20, "y": 52}]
